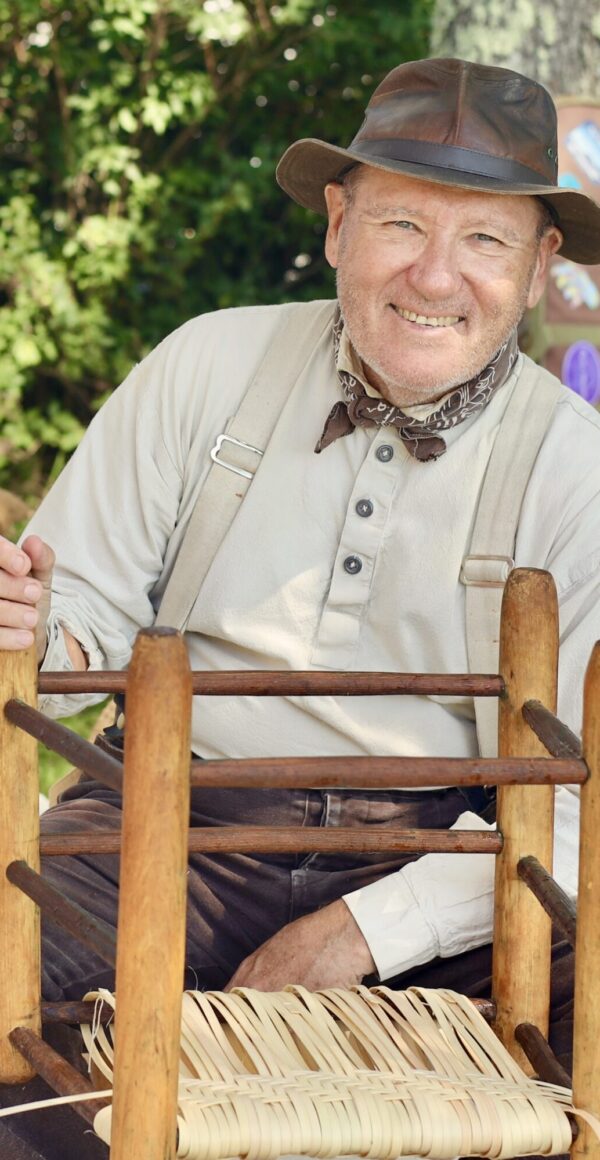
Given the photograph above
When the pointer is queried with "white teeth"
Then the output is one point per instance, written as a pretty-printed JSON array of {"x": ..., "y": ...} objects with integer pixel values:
[{"x": 448, "y": 320}]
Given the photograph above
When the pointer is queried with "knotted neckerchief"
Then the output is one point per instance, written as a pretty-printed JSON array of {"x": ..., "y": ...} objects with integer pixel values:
[{"x": 418, "y": 435}]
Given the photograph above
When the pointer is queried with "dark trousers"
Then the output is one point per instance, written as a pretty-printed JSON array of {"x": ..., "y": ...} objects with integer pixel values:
[{"x": 235, "y": 903}]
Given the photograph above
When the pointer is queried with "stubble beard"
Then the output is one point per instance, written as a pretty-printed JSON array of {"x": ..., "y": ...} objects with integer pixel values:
[{"x": 402, "y": 390}]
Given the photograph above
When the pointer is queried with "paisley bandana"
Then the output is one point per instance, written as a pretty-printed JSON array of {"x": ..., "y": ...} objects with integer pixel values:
[{"x": 418, "y": 435}]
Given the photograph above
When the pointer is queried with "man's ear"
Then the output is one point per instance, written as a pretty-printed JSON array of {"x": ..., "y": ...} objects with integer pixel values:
[
  {"x": 336, "y": 205},
  {"x": 549, "y": 244}
]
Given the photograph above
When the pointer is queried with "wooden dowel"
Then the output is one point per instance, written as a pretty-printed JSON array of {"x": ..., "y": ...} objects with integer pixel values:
[
  {"x": 382, "y": 772},
  {"x": 61, "y": 1076},
  {"x": 306, "y": 772},
  {"x": 586, "y": 1028},
  {"x": 295, "y": 772},
  {"x": 554, "y": 735},
  {"x": 152, "y": 901},
  {"x": 541, "y": 1055},
  {"x": 81, "y": 753},
  {"x": 522, "y": 929},
  {"x": 486, "y": 1008},
  {"x": 77, "y": 1012},
  {"x": 552, "y": 897},
  {"x": 292, "y": 840},
  {"x": 19, "y": 831},
  {"x": 93, "y": 932},
  {"x": 292, "y": 684}
]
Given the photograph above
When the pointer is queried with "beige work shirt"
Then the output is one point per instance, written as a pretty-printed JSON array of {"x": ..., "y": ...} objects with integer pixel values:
[{"x": 345, "y": 560}]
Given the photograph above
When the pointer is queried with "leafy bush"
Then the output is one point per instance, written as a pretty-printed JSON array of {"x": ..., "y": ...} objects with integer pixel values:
[
  {"x": 137, "y": 151},
  {"x": 51, "y": 766}
]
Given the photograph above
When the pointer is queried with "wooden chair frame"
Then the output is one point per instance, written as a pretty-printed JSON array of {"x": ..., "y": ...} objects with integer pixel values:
[{"x": 154, "y": 846}]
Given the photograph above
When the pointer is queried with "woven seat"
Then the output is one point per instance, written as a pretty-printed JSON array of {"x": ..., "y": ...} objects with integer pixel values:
[{"x": 362, "y": 1072}]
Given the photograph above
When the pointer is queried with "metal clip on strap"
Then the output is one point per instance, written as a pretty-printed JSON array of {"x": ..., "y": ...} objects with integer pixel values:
[{"x": 214, "y": 454}]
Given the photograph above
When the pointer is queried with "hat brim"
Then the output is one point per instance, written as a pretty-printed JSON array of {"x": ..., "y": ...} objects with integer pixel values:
[{"x": 308, "y": 165}]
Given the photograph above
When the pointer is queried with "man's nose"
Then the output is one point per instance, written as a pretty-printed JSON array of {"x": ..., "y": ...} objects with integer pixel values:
[{"x": 435, "y": 273}]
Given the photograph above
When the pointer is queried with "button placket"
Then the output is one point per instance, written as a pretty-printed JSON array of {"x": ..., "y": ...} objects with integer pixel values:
[{"x": 339, "y": 629}]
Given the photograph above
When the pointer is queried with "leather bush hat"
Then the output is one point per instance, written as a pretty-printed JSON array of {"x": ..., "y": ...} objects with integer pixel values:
[{"x": 461, "y": 124}]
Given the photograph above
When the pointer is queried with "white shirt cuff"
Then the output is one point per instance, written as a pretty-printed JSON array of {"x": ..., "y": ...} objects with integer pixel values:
[
  {"x": 442, "y": 904},
  {"x": 393, "y": 925},
  {"x": 57, "y": 659}
]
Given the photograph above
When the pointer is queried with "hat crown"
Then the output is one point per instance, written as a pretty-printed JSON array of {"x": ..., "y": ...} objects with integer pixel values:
[{"x": 455, "y": 103}]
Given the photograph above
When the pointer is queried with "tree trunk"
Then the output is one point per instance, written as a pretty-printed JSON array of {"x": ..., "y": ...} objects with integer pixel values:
[
  {"x": 555, "y": 42},
  {"x": 558, "y": 44}
]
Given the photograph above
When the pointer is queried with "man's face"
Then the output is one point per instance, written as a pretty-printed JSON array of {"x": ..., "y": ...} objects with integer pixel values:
[{"x": 431, "y": 279}]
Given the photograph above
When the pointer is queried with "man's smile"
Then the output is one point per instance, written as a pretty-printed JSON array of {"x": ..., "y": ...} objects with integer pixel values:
[{"x": 427, "y": 319}]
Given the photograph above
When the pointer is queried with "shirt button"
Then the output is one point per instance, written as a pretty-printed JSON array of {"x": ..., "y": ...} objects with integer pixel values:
[
  {"x": 353, "y": 564},
  {"x": 385, "y": 453},
  {"x": 364, "y": 508}
]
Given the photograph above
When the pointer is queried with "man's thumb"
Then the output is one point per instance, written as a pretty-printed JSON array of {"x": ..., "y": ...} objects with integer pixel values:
[
  {"x": 42, "y": 559},
  {"x": 42, "y": 566}
]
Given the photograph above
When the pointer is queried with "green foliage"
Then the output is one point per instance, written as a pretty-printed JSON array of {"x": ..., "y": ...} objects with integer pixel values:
[
  {"x": 138, "y": 145},
  {"x": 52, "y": 767}
]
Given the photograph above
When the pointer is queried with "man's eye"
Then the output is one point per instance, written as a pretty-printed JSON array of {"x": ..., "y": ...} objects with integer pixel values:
[
  {"x": 487, "y": 238},
  {"x": 404, "y": 225}
]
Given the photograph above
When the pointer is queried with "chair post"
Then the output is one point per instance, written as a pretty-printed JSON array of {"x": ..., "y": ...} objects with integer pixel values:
[
  {"x": 19, "y": 839},
  {"x": 522, "y": 930},
  {"x": 152, "y": 903},
  {"x": 586, "y": 1030}
]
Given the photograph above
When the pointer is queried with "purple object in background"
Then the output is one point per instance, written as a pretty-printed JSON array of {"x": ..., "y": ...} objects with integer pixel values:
[{"x": 581, "y": 371}]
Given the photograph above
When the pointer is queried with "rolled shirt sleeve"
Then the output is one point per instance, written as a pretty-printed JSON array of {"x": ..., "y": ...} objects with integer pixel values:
[
  {"x": 57, "y": 659},
  {"x": 442, "y": 904}
]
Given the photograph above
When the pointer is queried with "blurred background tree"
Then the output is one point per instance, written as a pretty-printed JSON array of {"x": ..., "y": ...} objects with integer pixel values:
[
  {"x": 557, "y": 43},
  {"x": 138, "y": 143}
]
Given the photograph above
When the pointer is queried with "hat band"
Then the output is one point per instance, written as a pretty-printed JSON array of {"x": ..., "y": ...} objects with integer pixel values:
[{"x": 451, "y": 157}]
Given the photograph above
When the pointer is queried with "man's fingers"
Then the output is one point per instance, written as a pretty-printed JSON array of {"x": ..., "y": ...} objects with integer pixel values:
[
  {"x": 42, "y": 559},
  {"x": 23, "y": 616},
  {"x": 34, "y": 557},
  {"x": 12, "y": 559},
  {"x": 25, "y": 593},
  {"x": 21, "y": 589},
  {"x": 12, "y": 639}
]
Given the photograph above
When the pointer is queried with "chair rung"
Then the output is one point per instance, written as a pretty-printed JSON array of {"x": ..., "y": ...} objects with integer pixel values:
[{"x": 290, "y": 840}]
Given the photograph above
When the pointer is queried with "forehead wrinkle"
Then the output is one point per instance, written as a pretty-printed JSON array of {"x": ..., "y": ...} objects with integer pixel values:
[{"x": 388, "y": 209}]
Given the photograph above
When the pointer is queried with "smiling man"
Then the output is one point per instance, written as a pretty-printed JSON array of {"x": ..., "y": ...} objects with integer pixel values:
[
  {"x": 432, "y": 281},
  {"x": 348, "y": 550}
]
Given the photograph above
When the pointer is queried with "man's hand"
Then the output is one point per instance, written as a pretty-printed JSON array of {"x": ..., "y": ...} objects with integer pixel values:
[
  {"x": 25, "y": 586},
  {"x": 324, "y": 949}
]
